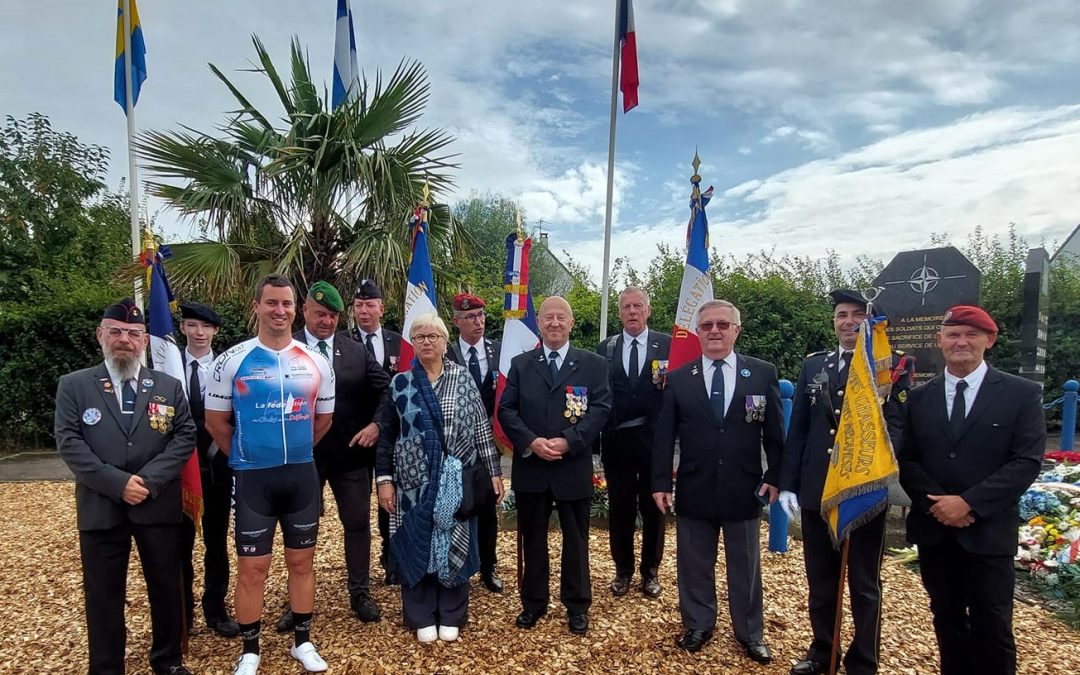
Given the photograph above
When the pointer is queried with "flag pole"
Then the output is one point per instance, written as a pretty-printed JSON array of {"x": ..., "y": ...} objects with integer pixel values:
[
  {"x": 133, "y": 183},
  {"x": 604, "y": 286},
  {"x": 834, "y": 655}
]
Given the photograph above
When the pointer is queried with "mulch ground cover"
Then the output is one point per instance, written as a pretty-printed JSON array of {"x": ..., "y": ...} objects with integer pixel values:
[{"x": 44, "y": 629}]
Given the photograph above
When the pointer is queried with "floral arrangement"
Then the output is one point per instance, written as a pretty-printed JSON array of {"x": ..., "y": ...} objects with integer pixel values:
[{"x": 598, "y": 506}]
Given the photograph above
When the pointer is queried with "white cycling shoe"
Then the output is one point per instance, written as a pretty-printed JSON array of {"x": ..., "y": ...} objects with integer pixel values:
[
  {"x": 427, "y": 635},
  {"x": 247, "y": 665},
  {"x": 306, "y": 654},
  {"x": 448, "y": 633}
]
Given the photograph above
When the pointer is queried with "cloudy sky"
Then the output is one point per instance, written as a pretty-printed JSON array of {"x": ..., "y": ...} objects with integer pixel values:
[{"x": 861, "y": 127}]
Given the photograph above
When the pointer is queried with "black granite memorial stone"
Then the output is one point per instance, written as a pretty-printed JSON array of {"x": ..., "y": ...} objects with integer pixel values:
[
  {"x": 1033, "y": 318},
  {"x": 916, "y": 288}
]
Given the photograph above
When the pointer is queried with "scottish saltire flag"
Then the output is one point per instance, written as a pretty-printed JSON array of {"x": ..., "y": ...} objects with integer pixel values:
[
  {"x": 520, "y": 332},
  {"x": 138, "y": 56},
  {"x": 628, "y": 75},
  {"x": 862, "y": 464},
  {"x": 420, "y": 289},
  {"x": 165, "y": 356},
  {"x": 696, "y": 282},
  {"x": 346, "y": 72}
]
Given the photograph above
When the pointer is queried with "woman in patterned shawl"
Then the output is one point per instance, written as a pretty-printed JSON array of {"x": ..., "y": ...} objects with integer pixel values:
[{"x": 439, "y": 429}]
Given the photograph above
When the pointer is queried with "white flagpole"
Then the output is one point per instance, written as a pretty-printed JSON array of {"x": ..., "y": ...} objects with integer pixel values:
[
  {"x": 133, "y": 182},
  {"x": 610, "y": 176}
]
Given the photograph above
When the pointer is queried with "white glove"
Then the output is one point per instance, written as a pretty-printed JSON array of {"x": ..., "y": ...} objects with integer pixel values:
[{"x": 790, "y": 503}]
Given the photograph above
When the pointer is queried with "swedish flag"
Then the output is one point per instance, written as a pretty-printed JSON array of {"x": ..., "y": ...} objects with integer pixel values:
[
  {"x": 138, "y": 56},
  {"x": 862, "y": 464}
]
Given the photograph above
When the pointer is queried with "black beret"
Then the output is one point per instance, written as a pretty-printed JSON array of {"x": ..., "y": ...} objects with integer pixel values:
[
  {"x": 842, "y": 295},
  {"x": 199, "y": 312},
  {"x": 126, "y": 310},
  {"x": 368, "y": 290}
]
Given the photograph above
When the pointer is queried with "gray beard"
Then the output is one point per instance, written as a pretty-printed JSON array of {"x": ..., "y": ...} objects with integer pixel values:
[{"x": 126, "y": 367}]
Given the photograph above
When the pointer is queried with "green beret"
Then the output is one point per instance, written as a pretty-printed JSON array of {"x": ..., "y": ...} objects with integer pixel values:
[{"x": 326, "y": 295}]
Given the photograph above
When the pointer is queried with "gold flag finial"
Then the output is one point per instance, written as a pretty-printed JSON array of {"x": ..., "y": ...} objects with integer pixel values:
[
  {"x": 517, "y": 223},
  {"x": 696, "y": 164},
  {"x": 426, "y": 194}
]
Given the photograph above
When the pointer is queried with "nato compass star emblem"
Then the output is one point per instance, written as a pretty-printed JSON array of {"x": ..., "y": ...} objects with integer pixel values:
[{"x": 924, "y": 279}]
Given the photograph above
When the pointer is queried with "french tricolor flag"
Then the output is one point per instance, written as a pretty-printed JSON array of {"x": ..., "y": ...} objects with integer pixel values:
[
  {"x": 520, "y": 332},
  {"x": 420, "y": 290},
  {"x": 628, "y": 75},
  {"x": 696, "y": 283}
]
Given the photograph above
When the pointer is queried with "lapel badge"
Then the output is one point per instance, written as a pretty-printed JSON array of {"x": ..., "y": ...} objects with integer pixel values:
[
  {"x": 159, "y": 399},
  {"x": 91, "y": 416},
  {"x": 902, "y": 396},
  {"x": 147, "y": 384},
  {"x": 695, "y": 370},
  {"x": 745, "y": 372}
]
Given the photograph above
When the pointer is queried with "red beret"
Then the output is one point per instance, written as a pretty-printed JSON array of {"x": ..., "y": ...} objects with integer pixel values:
[
  {"x": 463, "y": 302},
  {"x": 969, "y": 315}
]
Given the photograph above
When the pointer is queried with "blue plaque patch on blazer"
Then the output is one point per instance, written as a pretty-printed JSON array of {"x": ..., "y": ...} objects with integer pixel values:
[
  {"x": 147, "y": 383},
  {"x": 745, "y": 372},
  {"x": 91, "y": 416}
]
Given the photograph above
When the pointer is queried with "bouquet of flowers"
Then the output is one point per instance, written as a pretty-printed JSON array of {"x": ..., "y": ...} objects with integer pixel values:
[{"x": 598, "y": 506}]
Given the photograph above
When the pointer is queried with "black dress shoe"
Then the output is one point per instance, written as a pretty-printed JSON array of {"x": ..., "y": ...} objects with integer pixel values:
[
  {"x": 492, "y": 582},
  {"x": 223, "y": 626},
  {"x": 651, "y": 588},
  {"x": 807, "y": 667},
  {"x": 578, "y": 622},
  {"x": 693, "y": 640},
  {"x": 365, "y": 609},
  {"x": 757, "y": 651},
  {"x": 285, "y": 623},
  {"x": 620, "y": 585},
  {"x": 528, "y": 619}
]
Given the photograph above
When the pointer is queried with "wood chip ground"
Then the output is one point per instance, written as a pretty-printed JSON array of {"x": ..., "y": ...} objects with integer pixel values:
[{"x": 44, "y": 628}]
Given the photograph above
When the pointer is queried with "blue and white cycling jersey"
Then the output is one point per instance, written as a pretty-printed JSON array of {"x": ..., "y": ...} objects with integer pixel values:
[{"x": 274, "y": 396}]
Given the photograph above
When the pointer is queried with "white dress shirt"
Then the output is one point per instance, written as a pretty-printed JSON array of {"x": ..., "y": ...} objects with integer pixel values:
[
  {"x": 313, "y": 342},
  {"x": 204, "y": 371},
  {"x": 561, "y": 351},
  {"x": 481, "y": 355},
  {"x": 974, "y": 380},
  {"x": 708, "y": 369},
  {"x": 380, "y": 346},
  {"x": 642, "y": 345}
]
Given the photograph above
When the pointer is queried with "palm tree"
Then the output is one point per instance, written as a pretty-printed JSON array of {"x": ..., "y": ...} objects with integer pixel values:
[{"x": 325, "y": 195}]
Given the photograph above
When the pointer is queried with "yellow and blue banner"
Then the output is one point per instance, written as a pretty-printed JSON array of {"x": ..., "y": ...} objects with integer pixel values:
[
  {"x": 138, "y": 56},
  {"x": 862, "y": 465}
]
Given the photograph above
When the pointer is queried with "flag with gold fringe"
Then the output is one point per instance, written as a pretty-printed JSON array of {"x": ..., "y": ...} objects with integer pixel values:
[
  {"x": 862, "y": 464},
  {"x": 165, "y": 356}
]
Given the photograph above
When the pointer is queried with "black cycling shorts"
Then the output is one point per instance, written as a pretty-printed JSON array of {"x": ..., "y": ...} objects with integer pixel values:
[{"x": 262, "y": 497}]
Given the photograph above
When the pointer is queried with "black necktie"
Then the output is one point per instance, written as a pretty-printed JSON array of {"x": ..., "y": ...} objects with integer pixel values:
[
  {"x": 959, "y": 409},
  {"x": 128, "y": 407},
  {"x": 195, "y": 402},
  {"x": 474, "y": 366},
  {"x": 371, "y": 345},
  {"x": 552, "y": 366},
  {"x": 845, "y": 362},
  {"x": 321, "y": 344},
  {"x": 716, "y": 391},
  {"x": 635, "y": 364}
]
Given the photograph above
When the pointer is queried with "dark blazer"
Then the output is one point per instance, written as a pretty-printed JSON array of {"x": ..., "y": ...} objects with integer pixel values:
[
  {"x": 360, "y": 386},
  {"x": 391, "y": 348},
  {"x": 103, "y": 456},
  {"x": 819, "y": 396},
  {"x": 487, "y": 387},
  {"x": 533, "y": 406},
  {"x": 993, "y": 462},
  {"x": 639, "y": 406},
  {"x": 719, "y": 464}
]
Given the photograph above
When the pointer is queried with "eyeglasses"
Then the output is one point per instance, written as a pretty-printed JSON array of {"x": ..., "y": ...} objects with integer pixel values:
[
  {"x": 433, "y": 337},
  {"x": 707, "y": 326},
  {"x": 475, "y": 317},
  {"x": 133, "y": 333}
]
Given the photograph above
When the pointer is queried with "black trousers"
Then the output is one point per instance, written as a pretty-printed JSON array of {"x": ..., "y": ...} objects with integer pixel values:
[
  {"x": 534, "y": 512},
  {"x": 217, "y": 505},
  {"x": 864, "y": 584},
  {"x": 105, "y": 556},
  {"x": 429, "y": 603},
  {"x": 971, "y": 597},
  {"x": 695, "y": 557},
  {"x": 352, "y": 493},
  {"x": 487, "y": 531},
  {"x": 628, "y": 469}
]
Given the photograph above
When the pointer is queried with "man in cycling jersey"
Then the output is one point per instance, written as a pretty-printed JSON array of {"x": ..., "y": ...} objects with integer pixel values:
[{"x": 269, "y": 400}]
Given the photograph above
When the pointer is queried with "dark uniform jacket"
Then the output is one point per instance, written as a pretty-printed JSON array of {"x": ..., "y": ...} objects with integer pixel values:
[
  {"x": 391, "y": 349},
  {"x": 533, "y": 406},
  {"x": 487, "y": 385},
  {"x": 815, "y": 412},
  {"x": 991, "y": 464},
  {"x": 637, "y": 407},
  {"x": 91, "y": 439},
  {"x": 360, "y": 386},
  {"x": 719, "y": 463}
]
